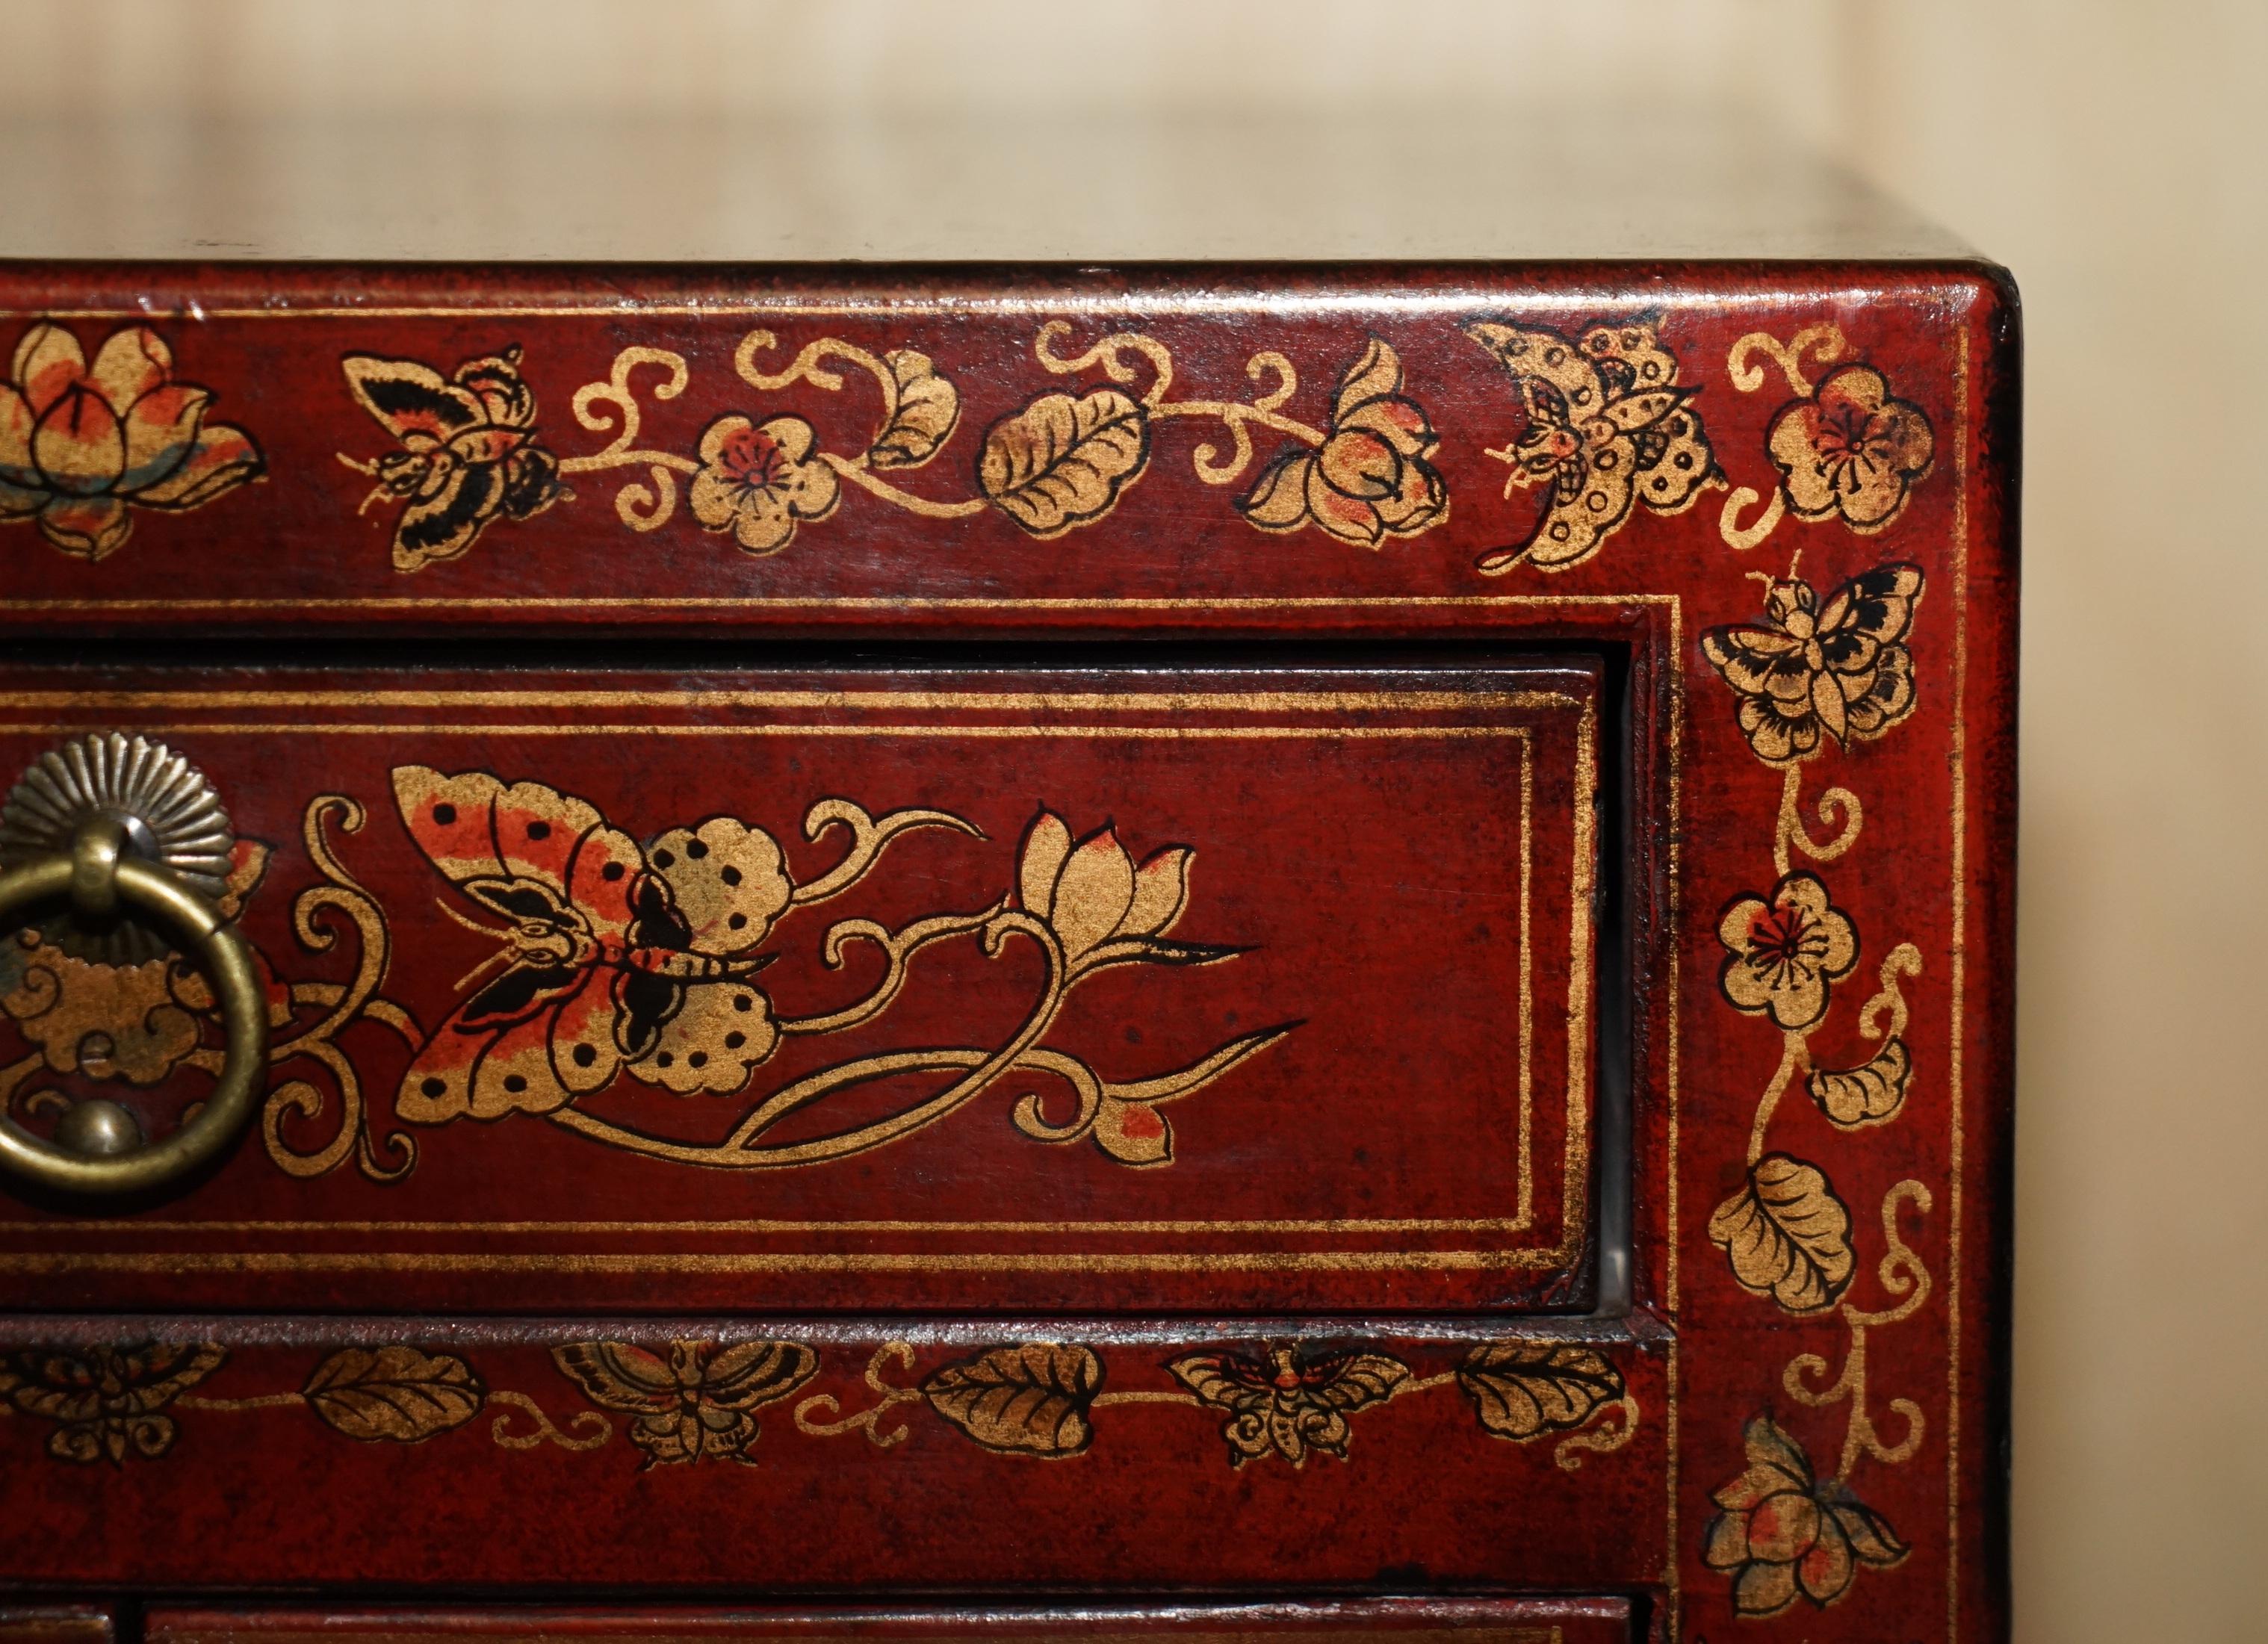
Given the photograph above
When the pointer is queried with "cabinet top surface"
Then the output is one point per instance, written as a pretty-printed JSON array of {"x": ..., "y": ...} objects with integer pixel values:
[{"x": 1385, "y": 183}]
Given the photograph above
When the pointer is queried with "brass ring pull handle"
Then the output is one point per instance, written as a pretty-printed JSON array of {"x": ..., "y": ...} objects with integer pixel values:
[{"x": 98, "y": 1146}]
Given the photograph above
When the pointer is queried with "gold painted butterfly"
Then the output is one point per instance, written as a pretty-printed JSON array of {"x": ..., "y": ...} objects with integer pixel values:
[
  {"x": 694, "y": 1405},
  {"x": 1607, "y": 427},
  {"x": 468, "y": 456},
  {"x": 1809, "y": 671},
  {"x": 1293, "y": 1402},
  {"x": 615, "y": 958}
]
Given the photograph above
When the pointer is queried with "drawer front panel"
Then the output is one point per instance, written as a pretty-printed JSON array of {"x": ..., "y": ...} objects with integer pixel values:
[
  {"x": 1232, "y": 990},
  {"x": 810, "y": 1455},
  {"x": 1430, "y": 1621}
]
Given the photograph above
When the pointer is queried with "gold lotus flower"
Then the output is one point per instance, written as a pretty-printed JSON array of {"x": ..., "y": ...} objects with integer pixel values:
[
  {"x": 1091, "y": 893},
  {"x": 757, "y": 482},
  {"x": 80, "y": 443},
  {"x": 1370, "y": 480},
  {"x": 1786, "y": 950},
  {"x": 1850, "y": 449},
  {"x": 1781, "y": 1533}
]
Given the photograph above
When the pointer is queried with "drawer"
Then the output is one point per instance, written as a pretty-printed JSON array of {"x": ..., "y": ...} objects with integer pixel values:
[
  {"x": 1434, "y": 1621},
  {"x": 1236, "y": 989}
]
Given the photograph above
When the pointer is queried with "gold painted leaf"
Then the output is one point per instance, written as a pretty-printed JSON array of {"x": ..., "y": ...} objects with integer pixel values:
[
  {"x": 1061, "y": 462},
  {"x": 393, "y": 1393},
  {"x": 926, "y": 409},
  {"x": 1031, "y": 1399},
  {"x": 1787, "y": 1235},
  {"x": 1524, "y": 1388},
  {"x": 1869, "y": 1094}
]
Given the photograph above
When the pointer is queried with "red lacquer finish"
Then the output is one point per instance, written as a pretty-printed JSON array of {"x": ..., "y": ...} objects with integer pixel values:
[
  {"x": 1501, "y": 778},
  {"x": 1464, "y": 1621}
]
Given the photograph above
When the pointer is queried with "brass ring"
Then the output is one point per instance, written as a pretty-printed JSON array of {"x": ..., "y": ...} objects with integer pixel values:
[{"x": 227, "y": 960}]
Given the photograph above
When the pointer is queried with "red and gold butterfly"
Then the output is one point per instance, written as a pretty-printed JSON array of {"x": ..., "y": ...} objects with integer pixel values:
[
  {"x": 469, "y": 454},
  {"x": 617, "y": 957}
]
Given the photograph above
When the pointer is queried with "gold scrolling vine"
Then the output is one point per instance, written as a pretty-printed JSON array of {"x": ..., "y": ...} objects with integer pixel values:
[
  {"x": 469, "y": 451},
  {"x": 1815, "y": 673}
]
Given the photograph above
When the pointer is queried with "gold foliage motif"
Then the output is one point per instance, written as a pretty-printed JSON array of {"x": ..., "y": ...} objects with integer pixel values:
[
  {"x": 1030, "y": 1400},
  {"x": 1370, "y": 479},
  {"x": 1521, "y": 1389},
  {"x": 395, "y": 1393},
  {"x": 1061, "y": 462},
  {"x": 1868, "y": 1094},
  {"x": 919, "y": 414},
  {"x": 1787, "y": 1235}
]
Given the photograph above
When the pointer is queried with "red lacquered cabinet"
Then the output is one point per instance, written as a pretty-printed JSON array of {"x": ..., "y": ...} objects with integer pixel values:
[{"x": 1208, "y": 951}]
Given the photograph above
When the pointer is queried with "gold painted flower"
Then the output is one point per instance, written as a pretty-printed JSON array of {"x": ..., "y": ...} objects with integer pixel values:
[
  {"x": 80, "y": 443},
  {"x": 1785, "y": 950},
  {"x": 1808, "y": 671},
  {"x": 105, "y": 1400},
  {"x": 135, "y": 1023},
  {"x": 694, "y": 1405},
  {"x": 1293, "y": 1403},
  {"x": 758, "y": 480},
  {"x": 1104, "y": 909},
  {"x": 1780, "y": 1533},
  {"x": 1370, "y": 478},
  {"x": 1850, "y": 449}
]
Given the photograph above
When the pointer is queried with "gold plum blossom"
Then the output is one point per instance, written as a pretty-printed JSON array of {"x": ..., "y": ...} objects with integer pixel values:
[
  {"x": 1850, "y": 449},
  {"x": 1785, "y": 950}
]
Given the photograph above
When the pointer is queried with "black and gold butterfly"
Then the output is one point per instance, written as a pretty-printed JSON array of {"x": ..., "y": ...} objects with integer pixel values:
[
  {"x": 1608, "y": 428},
  {"x": 1809, "y": 671},
  {"x": 468, "y": 456}
]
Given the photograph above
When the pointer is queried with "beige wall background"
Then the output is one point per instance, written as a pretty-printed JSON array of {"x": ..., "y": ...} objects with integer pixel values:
[{"x": 2110, "y": 151}]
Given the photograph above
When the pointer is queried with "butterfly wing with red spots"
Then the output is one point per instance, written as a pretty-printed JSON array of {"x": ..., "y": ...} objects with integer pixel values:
[{"x": 548, "y": 1028}]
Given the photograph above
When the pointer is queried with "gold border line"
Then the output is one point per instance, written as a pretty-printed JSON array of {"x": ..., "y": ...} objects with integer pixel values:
[
  {"x": 721, "y": 1629},
  {"x": 1179, "y": 701},
  {"x": 891, "y": 603},
  {"x": 800, "y": 1261},
  {"x": 1954, "y": 1163}
]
